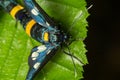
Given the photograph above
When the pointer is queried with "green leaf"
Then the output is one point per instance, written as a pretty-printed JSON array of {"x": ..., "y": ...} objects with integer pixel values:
[{"x": 15, "y": 44}]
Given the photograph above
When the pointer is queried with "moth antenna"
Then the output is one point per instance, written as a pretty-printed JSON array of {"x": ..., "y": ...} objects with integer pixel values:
[
  {"x": 77, "y": 17},
  {"x": 72, "y": 60},
  {"x": 75, "y": 73},
  {"x": 72, "y": 57},
  {"x": 90, "y": 7},
  {"x": 72, "y": 40}
]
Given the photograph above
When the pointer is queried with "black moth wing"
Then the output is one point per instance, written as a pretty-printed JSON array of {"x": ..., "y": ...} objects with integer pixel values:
[
  {"x": 46, "y": 16},
  {"x": 46, "y": 59}
]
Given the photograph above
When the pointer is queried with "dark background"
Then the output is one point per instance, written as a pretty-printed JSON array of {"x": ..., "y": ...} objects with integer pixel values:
[{"x": 103, "y": 41}]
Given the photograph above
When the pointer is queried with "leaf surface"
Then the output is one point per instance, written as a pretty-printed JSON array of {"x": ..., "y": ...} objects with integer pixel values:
[{"x": 15, "y": 45}]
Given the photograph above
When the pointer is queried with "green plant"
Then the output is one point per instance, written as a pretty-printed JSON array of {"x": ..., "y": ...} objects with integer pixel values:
[{"x": 15, "y": 45}]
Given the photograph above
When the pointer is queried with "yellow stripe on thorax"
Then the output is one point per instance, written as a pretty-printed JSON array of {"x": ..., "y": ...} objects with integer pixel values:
[
  {"x": 46, "y": 36},
  {"x": 15, "y": 10},
  {"x": 29, "y": 26}
]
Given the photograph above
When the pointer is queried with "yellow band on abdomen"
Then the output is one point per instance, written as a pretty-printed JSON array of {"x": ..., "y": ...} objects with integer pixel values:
[
  {"x": 29, "y": 26},
  {"x": 15, "y": 10},
  {"x": 46, "y": 36}
]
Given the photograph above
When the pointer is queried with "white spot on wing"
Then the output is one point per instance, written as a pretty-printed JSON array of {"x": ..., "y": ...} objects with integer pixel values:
[
  {"x": 33, "y": 58},
  {"x": 34, "y": 11},
  {"x": 36, "y": 66},
  {"x": 48, "y": 52},
  {"x": 47, "y": 23},
  {"x": 41, "y": 48},
  {"x": 35, "y": 54}
]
